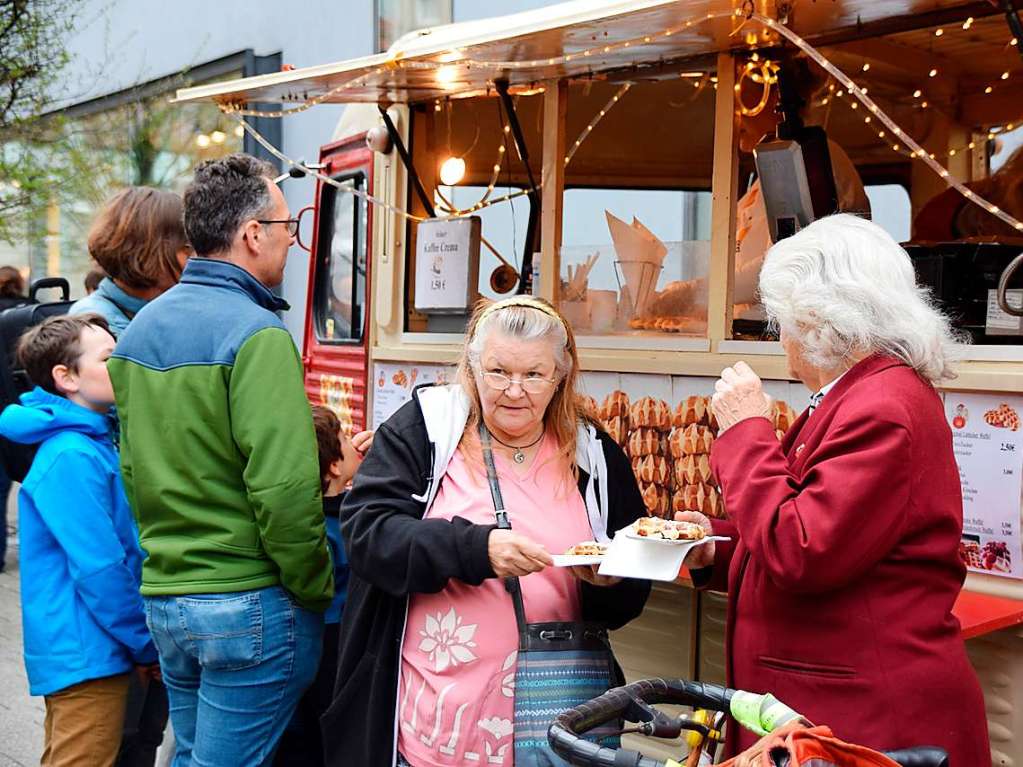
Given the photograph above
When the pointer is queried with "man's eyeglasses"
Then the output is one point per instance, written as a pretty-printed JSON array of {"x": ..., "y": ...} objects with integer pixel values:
[
  {"x": 531, "y": 384},
  {"x": 291, "y": 222}
]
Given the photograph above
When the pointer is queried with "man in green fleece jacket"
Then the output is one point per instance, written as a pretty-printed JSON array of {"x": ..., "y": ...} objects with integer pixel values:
[{"x": 220, "y": 467}]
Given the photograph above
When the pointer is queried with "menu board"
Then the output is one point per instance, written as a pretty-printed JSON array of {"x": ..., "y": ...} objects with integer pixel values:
[
  {"x": 988, "y": 447},
  {"x": 447, "y": 264},
  {"x": 393, "y": 383}
]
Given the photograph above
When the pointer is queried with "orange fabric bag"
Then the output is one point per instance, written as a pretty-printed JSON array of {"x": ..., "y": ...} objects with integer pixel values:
[{"x": 808, "y": 747}]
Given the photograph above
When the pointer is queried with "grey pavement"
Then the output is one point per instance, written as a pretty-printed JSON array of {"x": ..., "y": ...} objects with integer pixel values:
[{"x": 21, "y": 716}]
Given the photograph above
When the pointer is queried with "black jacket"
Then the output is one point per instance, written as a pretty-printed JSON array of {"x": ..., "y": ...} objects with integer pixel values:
[{"x": 393, "y": 552}]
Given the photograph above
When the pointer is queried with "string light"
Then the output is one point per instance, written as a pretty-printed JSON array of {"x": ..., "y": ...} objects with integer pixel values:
[
  {"x": 839, "y": 75},
  {"x": 766, "y": 76},
  {"x": 968, "y": 23},
  {"x": 933, "y": 73},
  {"x": 994, "y": 131},
  {"x": 593, "y": 123}
]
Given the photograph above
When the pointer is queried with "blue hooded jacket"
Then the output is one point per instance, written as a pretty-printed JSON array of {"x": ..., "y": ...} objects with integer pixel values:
[{"x": 82, "y": 615}]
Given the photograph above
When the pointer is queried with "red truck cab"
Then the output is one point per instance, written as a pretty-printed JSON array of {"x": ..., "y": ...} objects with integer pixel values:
[{"x": 337, "y": 331}]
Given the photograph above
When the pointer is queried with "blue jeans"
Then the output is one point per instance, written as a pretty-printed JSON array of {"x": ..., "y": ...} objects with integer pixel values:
[{"x": 235, "y": 666}]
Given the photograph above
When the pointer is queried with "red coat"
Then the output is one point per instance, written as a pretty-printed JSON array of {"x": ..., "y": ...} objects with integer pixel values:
[{"x": 846, "y": 567}]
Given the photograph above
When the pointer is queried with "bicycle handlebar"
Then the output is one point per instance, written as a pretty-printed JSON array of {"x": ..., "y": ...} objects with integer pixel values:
[
  {"x": 569, "y": 725},
  {"x": 633, "y": 702}
]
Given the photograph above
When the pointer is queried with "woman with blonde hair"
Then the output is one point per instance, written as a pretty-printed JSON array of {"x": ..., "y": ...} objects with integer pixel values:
[
  {"x": 429, "y": 635},
  {"x": 139, "y": 240},
  {"x": 843, "y": 565}
]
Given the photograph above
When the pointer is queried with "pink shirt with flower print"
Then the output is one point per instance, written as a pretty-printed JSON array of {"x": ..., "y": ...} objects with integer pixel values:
[{"x": 456, "y": 694}]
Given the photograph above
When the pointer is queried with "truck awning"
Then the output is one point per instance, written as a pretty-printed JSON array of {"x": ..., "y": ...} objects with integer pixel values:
[{"x": 566, "y": 40}]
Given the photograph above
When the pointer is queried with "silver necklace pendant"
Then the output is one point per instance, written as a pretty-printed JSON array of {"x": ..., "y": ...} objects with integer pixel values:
[{"x": 519, "y": 456}]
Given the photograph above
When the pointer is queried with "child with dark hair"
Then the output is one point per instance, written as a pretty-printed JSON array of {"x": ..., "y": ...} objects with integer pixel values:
[
  {"x": 82, "y": 615},
  {"x": 339, "y": 459}
]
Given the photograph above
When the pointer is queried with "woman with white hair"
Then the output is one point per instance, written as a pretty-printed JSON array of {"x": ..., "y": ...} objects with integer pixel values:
[
  {"x": 428, "y": 646},
  {"x": 843, "y": 566}
]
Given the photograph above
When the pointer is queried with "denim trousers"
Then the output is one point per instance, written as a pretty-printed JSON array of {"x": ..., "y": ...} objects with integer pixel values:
[{"x": 235, "y": 666}]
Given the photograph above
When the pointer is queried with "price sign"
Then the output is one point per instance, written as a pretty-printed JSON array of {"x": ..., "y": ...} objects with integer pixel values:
[{"x": 447, "y": 265}]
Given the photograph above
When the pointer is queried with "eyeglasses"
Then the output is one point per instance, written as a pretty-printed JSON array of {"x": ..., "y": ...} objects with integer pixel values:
[
  {"x": 291, "y": 222},
  {"x": 531, "y": 384}
]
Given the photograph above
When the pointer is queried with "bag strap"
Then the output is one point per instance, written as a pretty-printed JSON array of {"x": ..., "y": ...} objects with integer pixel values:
[{"x": 511, "y": 584}]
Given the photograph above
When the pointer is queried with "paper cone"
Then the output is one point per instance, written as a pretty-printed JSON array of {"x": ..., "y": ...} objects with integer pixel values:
[
  {"x": 640, "y": 254},
  {"x": 659, "y": 249}
]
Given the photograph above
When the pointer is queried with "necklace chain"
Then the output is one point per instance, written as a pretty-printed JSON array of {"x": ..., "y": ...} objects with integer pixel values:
[{"x": 518, "y": 456}]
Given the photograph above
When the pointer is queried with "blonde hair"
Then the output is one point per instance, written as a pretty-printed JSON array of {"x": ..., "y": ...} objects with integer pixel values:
[
  {"x": 525, "y": 318},
  {"x": 842, "y": 287}
]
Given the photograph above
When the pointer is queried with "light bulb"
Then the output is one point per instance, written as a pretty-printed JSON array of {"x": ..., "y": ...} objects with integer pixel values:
[
  {"x": 446, "y": 76},
  {"x": 239, "y": 131},
  {"x": 202, "y": 140},
  {"x": 452, "y": 170},
  {"x": 218, "y": 137}
]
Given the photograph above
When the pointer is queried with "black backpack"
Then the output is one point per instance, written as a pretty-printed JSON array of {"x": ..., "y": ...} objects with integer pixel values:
[{"x": 16, "y": 459}]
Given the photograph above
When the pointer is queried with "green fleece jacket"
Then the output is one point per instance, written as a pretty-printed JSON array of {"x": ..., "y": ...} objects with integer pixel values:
[{"x": 218, "y": 450}]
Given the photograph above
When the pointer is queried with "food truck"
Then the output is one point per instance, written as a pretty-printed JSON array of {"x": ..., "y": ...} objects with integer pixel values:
[{"x": 592, "y": 154}]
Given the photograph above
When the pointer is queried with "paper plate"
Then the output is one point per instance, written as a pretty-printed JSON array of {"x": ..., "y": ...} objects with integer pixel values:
[
  {"x": 575, "y": 560},
  {"x": 634, "y": 557}
]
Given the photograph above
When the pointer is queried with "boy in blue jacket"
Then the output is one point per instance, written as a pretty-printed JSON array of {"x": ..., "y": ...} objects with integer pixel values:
[{"x": 82, "y": 616}]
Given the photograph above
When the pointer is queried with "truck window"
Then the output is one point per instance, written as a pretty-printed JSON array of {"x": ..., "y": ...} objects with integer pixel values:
[
  {"x": 340, "y": 292},
  {"x": 631, "y": 259},
  {"x": 890, "y": 208}
]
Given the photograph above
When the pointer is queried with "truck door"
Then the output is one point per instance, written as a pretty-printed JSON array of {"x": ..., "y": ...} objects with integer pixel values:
[{"x": 336, "y": 345}]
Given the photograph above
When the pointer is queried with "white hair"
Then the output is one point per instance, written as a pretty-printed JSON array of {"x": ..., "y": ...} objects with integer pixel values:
[
  {"x": 523, "y": 323},
  {"x": 842, "y": 287}
]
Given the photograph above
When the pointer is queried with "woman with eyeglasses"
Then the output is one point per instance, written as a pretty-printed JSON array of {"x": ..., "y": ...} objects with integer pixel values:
[{"x": 428, "y": 636}]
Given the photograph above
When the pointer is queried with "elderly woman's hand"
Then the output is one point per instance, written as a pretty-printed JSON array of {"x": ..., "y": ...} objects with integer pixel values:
[
  {"x": 514, "y": 554},
  {"x": 738, "y": 395},
  {"x": 589, "y": 574},
  {"x": 698, "y": 556}
]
